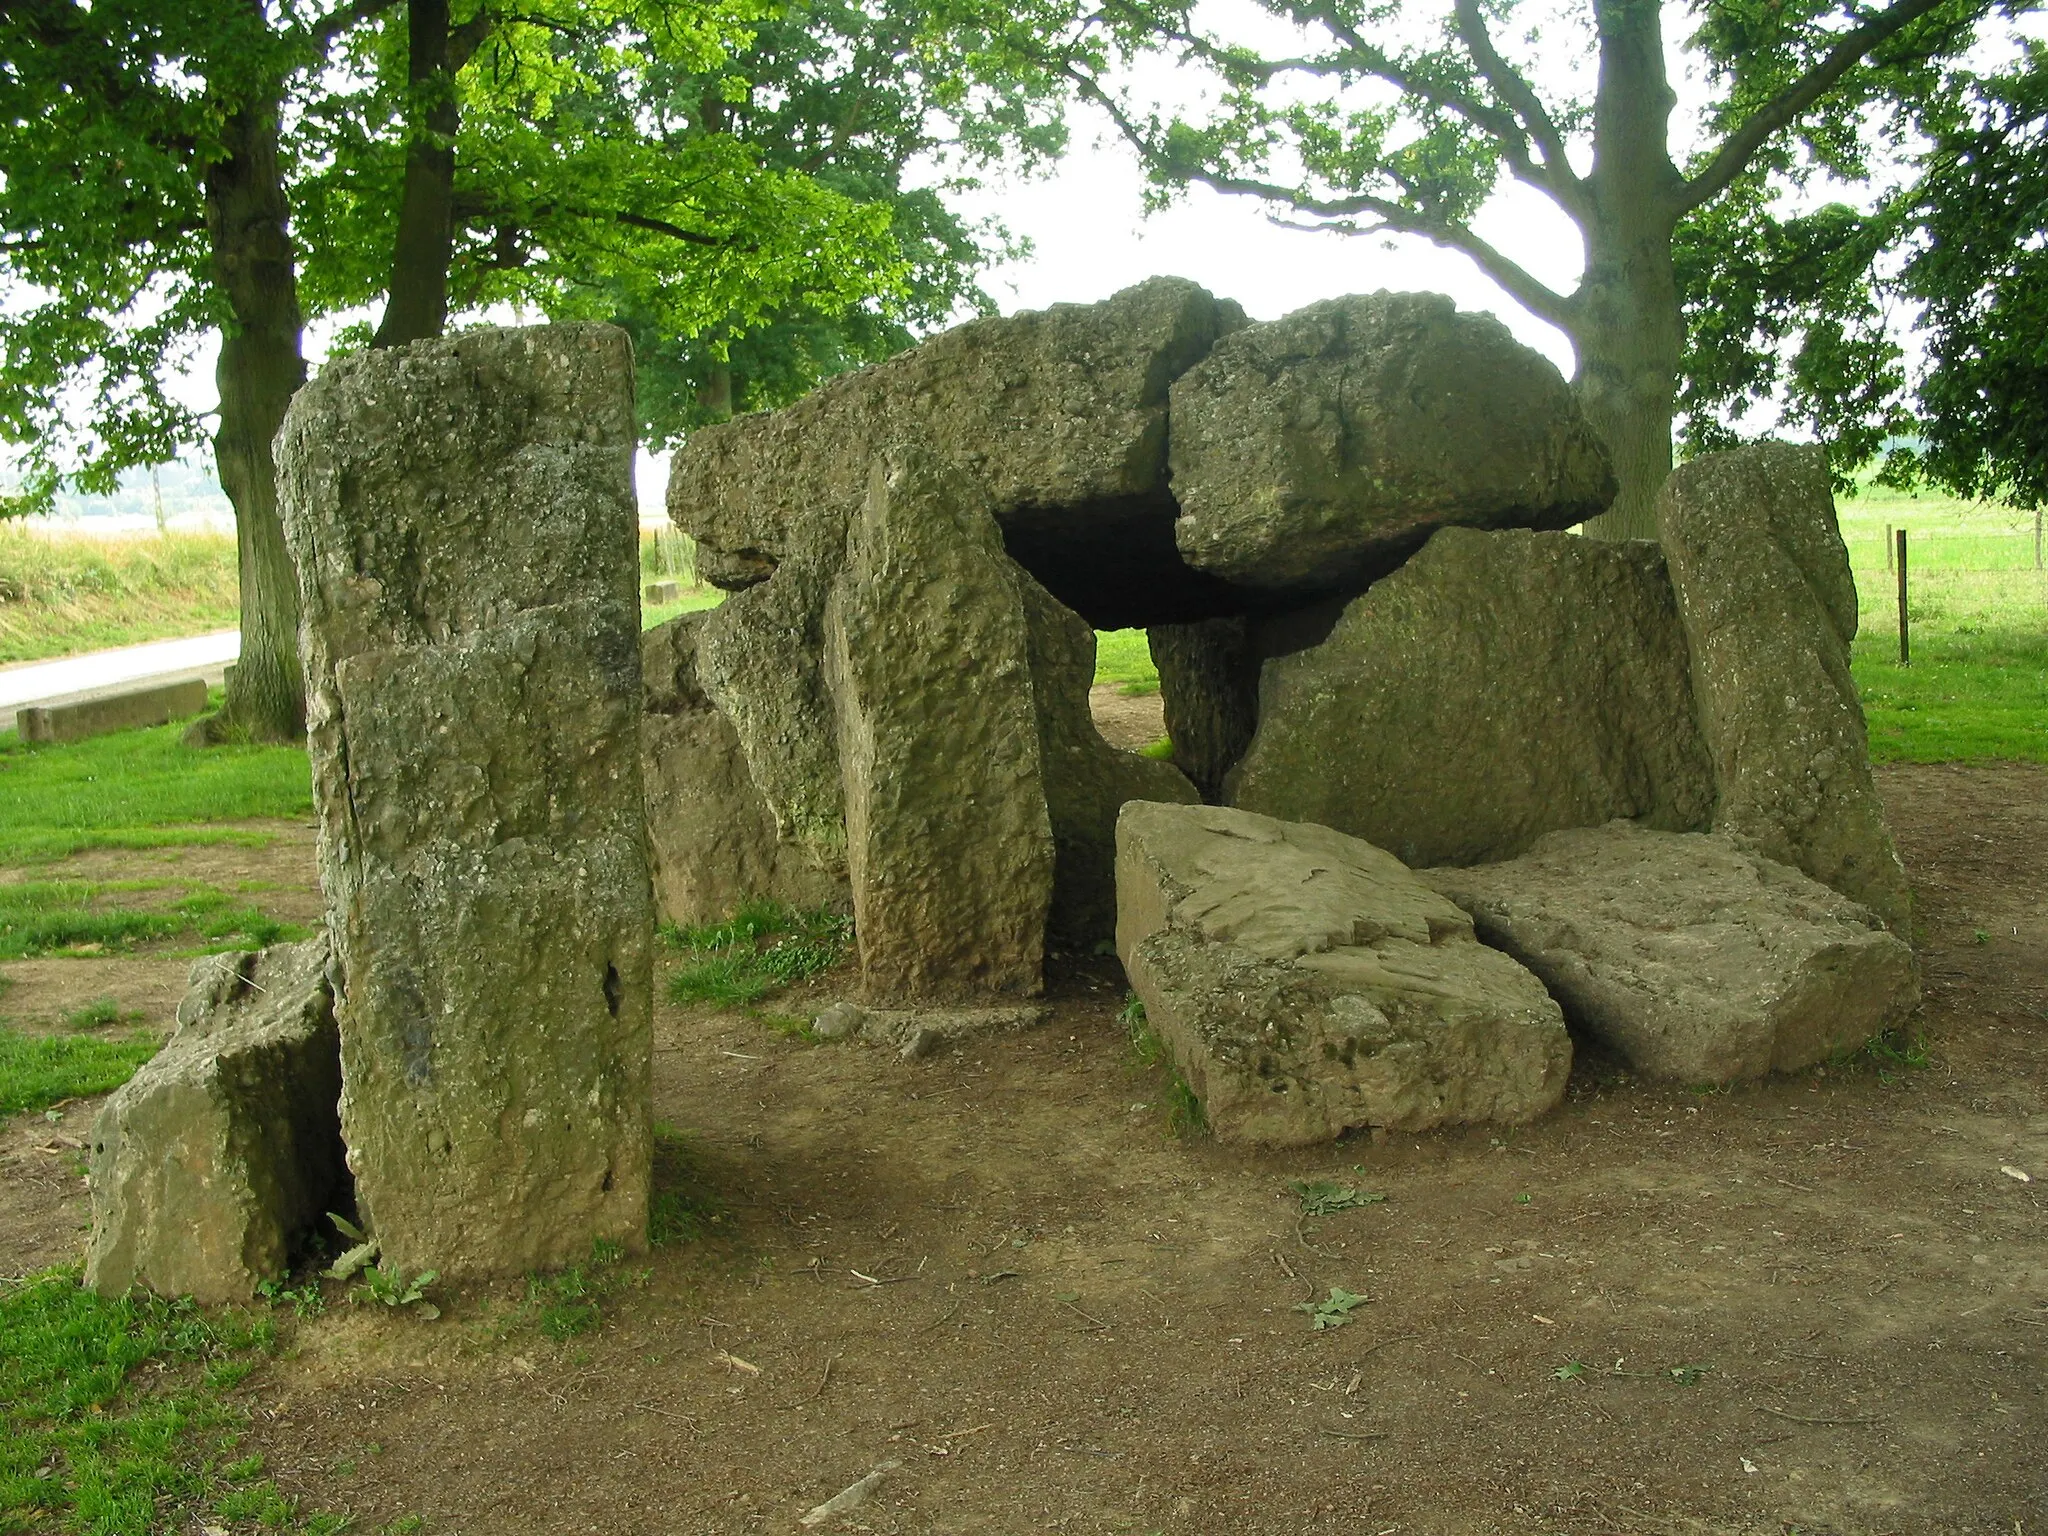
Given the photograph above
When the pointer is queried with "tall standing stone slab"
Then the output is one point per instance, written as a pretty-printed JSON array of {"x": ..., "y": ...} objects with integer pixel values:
[
  {"x": 1497, "y": 687},
  {"x": 1087, "y": 781},
  {"x": 949, "y": 846},
  {"x": 1769, "y": 605},
  {"x": 462, "y": 516},
  {"x": 214, "y": 1164},
  {"x": 1317, "y": 451}
]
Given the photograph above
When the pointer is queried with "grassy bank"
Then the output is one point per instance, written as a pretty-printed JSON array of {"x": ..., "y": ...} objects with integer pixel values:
[{"x": 64, "y": 593}]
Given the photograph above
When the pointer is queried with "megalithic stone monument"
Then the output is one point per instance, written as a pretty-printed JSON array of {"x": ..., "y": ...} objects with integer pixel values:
[{"x": 462, "y": 516}]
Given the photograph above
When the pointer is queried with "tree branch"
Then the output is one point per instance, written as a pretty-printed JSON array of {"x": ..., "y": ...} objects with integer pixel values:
[
  {"x": 331, "y": 27},
  {"x": 673, "y": 231},
  {"x": 1738, "y": 148},
  {"x": 1521, "y": 99}
]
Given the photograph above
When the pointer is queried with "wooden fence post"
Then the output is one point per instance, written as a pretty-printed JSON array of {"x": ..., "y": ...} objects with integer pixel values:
[{"x": 1905, "y": 645}]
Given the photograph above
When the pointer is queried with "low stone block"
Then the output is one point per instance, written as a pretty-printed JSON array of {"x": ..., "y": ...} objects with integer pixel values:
[
  {"x": 1305, "y": 983},
  {"x": 133, "y": 709},
  {"x": 661, "y": 592},
  {"x": 213, "y": 1165},
  {"x": 711, "y": 839},
  {"x": 1696, "y": 958}
]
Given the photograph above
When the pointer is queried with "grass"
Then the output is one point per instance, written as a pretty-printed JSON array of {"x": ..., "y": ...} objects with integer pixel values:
[
  {"x": 1124, "y": 657},
  {"x": 117, "y": 1419},
  {"x": 42, "y": 917},
  {"x": 1184, "y": 1115},
  {"x": 37, "y": 1071},
  {"x": 65, "y": 593},
  {"x": 1977, "y": 686},
  {"x": 140, "y": 789},
  {"x": 684, "y": 1207},
  {"x": 756, "y": 952}
]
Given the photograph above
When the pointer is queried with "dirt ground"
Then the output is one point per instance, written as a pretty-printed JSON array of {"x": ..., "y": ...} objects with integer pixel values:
[{"x": 1818, "y": 1303}]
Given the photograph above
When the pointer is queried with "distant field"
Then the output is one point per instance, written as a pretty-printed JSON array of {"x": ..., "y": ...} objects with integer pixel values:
[
  {"x": 61, "y": 594},
  {"x": 1977, "y": 686}
]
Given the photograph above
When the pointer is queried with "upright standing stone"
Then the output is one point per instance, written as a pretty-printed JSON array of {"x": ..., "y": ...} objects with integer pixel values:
[
  {"x": 1769, "y": 606},
  {"x": 462, "y": 516},
  {"x": 948, "y": 841}
]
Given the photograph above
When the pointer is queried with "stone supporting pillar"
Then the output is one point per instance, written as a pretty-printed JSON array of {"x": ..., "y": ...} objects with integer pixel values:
[{"x": 462, "y": 516}]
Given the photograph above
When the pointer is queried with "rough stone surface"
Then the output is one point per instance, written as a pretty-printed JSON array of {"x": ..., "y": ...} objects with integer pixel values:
[
  {"x": 711, "y": 840},
  {"x": 949, "y": 847},
  {"x": 128, "y": 710},
  {"x": 1209, "y": 686},
  {"x": 1306, "y": 983},
  {"x": 1697, "y": 959},
  {"x": 1319, "y": 450},
  {"x": 1769, "y": 605},
  {"x": 1058, "y": 415},
  {"x": 214, "y": 1163},
  {"x": 920, "y": 1032},
  {"x": 1087, "y": 781},
  {"x": 1497, "y": 687},
  {"x": 462, "y": 517}
]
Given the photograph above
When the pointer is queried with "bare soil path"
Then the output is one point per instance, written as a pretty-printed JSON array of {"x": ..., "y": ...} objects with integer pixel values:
[{"x": 1814, "y": 1304}]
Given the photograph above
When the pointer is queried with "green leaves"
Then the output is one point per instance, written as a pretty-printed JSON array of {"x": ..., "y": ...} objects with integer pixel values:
[
  {"x": 1326, "y": 1197},
  {"x": 1332, "y": 1312}
]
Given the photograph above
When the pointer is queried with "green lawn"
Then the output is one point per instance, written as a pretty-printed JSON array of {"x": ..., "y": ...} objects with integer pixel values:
[{"x": 1977, "y": 686}]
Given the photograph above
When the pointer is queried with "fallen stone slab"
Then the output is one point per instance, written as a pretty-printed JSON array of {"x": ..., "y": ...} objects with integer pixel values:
[
  {"x": 129, "y": 710},
  {"x": 1317, "y": 451},
  {"x": 1306, "y": 984},
  {"x": 949, "y": 845},
  {"x": 215, "y": 1163},
  {"x": 1496, "y": 687},
  {"x": 462, "y": 519},
  {"x": 661, "y": 592},
  {"x": 1769, "y": 607},
  {"x": 1696, "y": 958},
  {"x": 920, "y": 1032}
]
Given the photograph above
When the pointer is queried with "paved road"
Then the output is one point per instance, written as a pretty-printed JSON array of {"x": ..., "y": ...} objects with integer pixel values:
[{"x": 80, "y": 677}]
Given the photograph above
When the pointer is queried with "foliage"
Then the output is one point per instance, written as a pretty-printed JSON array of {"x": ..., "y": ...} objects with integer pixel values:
[
  {"x": 141, "y": 789},
  {"x": 40, "y": 1070},
  {"x": 1124, "y": 657},
  {"x": 759, "y": 950},
  {"x": 1980, "y": 273},
  {"x": 60, "y": 596},
  {"x": 1184, "y": 1113},
  {"x": 1334, "y": 1311},
  {"x": 1326, "y": 1197},
  {"x": 115, "y": 1415},
  {"x": 571, "y": 1301}
]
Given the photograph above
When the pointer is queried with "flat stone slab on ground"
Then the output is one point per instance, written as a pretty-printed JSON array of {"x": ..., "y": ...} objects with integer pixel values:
[
  {"x": 1698, "y": 959},
  {"x": 919, "y": 1032},
  {"x": 1305, "y": 983},
  {"x": 213, "y": 1164},
  {"x": 131, "y": 709}
]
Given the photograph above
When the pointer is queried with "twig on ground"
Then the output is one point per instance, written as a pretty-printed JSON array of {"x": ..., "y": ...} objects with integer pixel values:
[
  {"x": 1800, "y": 1418},
  {"x": 1345, "y": 1434},
  {"x": 817, "y": 1392},
  {"x": 957, "y": 1305}
]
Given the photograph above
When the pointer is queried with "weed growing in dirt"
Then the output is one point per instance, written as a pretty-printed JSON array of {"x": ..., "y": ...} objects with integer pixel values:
[
  {"x": 1326, "y": 1197},
  {"x": 140, "y": 789},
  {"x": 1892, "y": 1053},
  {"x": 1332, "y": 1312},
  {"x": 571, "y": 1301},
  {"x": 115, "y": 1417},
  {"x": 391, "y": 1286},
  {"x": 684, "y": 1207},
  {"x": 1184, "y": 1115},
  {"x": 759, "y": 950},
  {"x": 40, "y": 1070},
  {"x": 41, "y": 917}
]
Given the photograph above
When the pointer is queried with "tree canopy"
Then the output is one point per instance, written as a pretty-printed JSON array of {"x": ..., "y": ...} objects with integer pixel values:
[{"x": 1376, "y": 117}]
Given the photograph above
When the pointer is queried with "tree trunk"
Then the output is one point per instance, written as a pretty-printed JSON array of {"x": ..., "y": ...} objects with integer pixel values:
[
  {"x": 418, "y": 303},
  {"x": 1626, "y": 324},
  {"x": 260, "y": 368}
]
